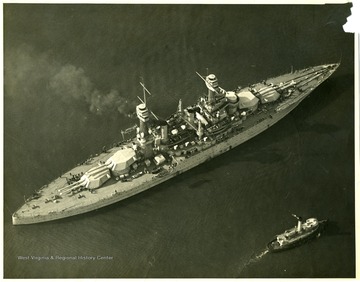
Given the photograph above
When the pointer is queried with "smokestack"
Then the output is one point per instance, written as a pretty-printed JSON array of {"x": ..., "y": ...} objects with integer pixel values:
[
  {"x": 299, "y": 225},
  {"x": 164, "y": 131},
  {"x": 190, "y": 114}
]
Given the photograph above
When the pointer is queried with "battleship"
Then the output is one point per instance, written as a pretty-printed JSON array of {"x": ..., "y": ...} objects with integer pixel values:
[
  {"x": 160, "y": 149},
  {"x": 298, "y": 235}
]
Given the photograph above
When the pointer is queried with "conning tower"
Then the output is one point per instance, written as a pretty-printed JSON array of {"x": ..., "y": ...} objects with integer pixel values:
[{"x": 164, "y": 131}]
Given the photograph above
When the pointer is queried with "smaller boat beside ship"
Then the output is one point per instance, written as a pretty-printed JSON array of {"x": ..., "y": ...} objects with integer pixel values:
[{"x": 298, "y": 235}]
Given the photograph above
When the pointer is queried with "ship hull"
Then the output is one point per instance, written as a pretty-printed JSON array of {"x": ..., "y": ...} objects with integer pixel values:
[
  {"x": 114, "y": 191},
  {"x": 183, "y": 166}
]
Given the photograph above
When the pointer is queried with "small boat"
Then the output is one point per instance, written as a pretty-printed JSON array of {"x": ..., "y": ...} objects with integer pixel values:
[{"x": 298, "y": 235}]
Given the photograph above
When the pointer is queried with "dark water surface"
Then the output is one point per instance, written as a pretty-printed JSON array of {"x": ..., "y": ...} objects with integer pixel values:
[{"x": 72, "y": 75}]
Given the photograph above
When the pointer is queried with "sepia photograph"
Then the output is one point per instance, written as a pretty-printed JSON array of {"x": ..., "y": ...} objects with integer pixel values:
[{"x": 178, "y": 141}]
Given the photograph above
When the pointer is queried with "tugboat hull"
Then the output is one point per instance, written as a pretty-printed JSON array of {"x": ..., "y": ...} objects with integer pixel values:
[{"x": 274, "y": 246}]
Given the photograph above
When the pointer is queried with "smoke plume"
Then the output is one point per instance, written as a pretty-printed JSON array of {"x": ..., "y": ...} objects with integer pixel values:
[{"x": 27, "y": 72}]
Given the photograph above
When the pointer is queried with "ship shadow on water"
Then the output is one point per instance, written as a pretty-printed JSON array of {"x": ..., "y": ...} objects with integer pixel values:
[{"x": 199, "y": 183}]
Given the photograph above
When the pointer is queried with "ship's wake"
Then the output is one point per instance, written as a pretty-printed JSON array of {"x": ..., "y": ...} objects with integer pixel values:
[{"x": 253, "y": 259}]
